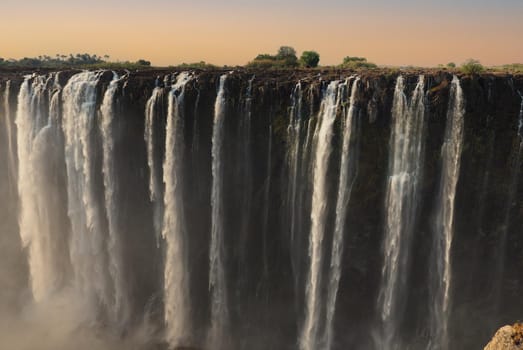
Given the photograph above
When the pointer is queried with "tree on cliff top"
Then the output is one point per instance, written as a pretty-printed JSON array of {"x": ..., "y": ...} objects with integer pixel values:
[
  {"x": 310, "y": 59},
  {"x": 284, "y": 58},
  {"x": 472, "y": 66}
]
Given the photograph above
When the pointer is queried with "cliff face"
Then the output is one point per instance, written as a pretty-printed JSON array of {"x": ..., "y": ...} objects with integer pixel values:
[{"x": 267, "y": 270}]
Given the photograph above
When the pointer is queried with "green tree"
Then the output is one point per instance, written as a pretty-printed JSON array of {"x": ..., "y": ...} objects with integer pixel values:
[
  {"x": 472, "y": 66},
  {"x": 451, "y": 65},
  {"x": 310, "y": 59},
  {"x": 287, "y": 54}
]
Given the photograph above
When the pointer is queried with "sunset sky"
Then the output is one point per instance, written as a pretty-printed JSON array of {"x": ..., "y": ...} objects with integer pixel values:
[{"x": 169, "y": 32}]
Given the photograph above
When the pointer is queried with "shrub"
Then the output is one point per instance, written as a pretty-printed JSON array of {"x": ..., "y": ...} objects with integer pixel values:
[
  {"x": 310, "y": 59},
  {"x": 451, "y": 65},
  {"x": 286, "y": 52},
  {"x": 142, "y": 62},
  {"x": 197, "y": 65},
  {"x": 472, "y": 66},
  {"x": 284, "y": 58},
  {"x": 357, "y": 62},
  {"x": 265, "y": 56}
]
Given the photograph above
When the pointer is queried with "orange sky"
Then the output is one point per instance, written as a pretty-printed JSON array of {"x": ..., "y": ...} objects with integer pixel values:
[{"x": 177, "y": 31}]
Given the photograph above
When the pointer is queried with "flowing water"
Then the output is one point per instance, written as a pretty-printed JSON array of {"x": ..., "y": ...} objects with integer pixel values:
[
  {"x": 152, "y": 114},
  {"x": 88, "y": 236},
  {"x": 348, "y": 172},
  {"x": 222, "y": 211},
  {"x": 405, "y": 175},
  {"x": 176, "y": 293},
  {"x": 323, "y": 147},
  {"x": 441, "y": 264},
  {"x": 217, "y": 281}
]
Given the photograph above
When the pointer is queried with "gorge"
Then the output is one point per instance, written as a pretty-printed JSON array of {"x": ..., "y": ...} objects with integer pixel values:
[{"x": 251, "y": 209}]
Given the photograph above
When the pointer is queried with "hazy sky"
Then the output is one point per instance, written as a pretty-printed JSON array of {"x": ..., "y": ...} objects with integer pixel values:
[{"x": 393, "y": 32}]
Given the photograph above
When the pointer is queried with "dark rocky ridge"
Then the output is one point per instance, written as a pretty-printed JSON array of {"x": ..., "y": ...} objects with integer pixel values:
[{"x": 265, "y": 295}]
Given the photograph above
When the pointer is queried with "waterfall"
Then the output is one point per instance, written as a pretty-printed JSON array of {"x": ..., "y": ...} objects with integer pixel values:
[
  {"x": 401, "y": 203},
  {"x": 318, "y": 235},
  {"x": 294, "y": 185},
  {"x": 11, "y": 146},
  {"x": 176, "y": 274},
  {"x": 87, "y": 243},
  {"x": 119, "y": 312},
  {"x": 440, "y": 269},
  {"x": 217, "y": 278},
  {"x": 322, "y": 151},
  {"x": 348, "y": 172},
  {"x": 293, "y": 153},
  {"x": 40, "y": 202},
  {"x": 155, "y": 190}
]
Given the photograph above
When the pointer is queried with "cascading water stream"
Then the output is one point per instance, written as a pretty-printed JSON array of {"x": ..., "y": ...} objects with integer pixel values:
[
  {"x": 87, "y": 243},
  {"x": 441, "y": 266},
  {"x": 322, "y": 150},
  {"x": 152, "y": 109},
  {"x": 294, "y": 185},
  {"x": 10, "y": 134},
  {"x": 246, "y": 185},
  {"x": 401, "y": 203},
  {"x": 119, "y": 310},
  {"x": 293, "y": 156},
  {"x": 217, "y": 278},
  {"x": 348, "y": 172},
  {"x": 174, "y": 231},
  {"x": 39, "y": 201}
]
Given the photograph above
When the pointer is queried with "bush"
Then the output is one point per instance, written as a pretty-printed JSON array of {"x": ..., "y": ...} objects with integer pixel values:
[
  {"x": 197, "y": 65},
  {"x": 310, "y": 59},
  {"x": 141, "y": 62},
  {"x": 357, "y": 62},
  {"x": 284, "y": 58},
  {"x": 451, "y": 65},
  {"x": 269, "y": 63},
  {"x": 348, "y": 59},
  {"x": 511, "y": 68},
  {"x": 265, "y": 56},
  {"x": 286, "y": 52},
  {"x": 472, "y": 66}
]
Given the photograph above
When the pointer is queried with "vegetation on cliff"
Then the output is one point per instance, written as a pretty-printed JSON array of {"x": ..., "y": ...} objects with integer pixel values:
[
  {"x": 78, "y": 60},
  {"x": 357, "y": 62},
  {"x": 285, "y": 58},
  {"x": 472, "y": 66},
  {"x": 310, "y": 59}
]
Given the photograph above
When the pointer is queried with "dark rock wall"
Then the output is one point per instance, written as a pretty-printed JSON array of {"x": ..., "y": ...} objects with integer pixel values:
[{"x": 266, "y": 308}]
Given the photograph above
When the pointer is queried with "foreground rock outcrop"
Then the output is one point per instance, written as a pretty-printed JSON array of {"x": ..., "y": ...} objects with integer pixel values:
[{"x": 507, "y": 338}]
